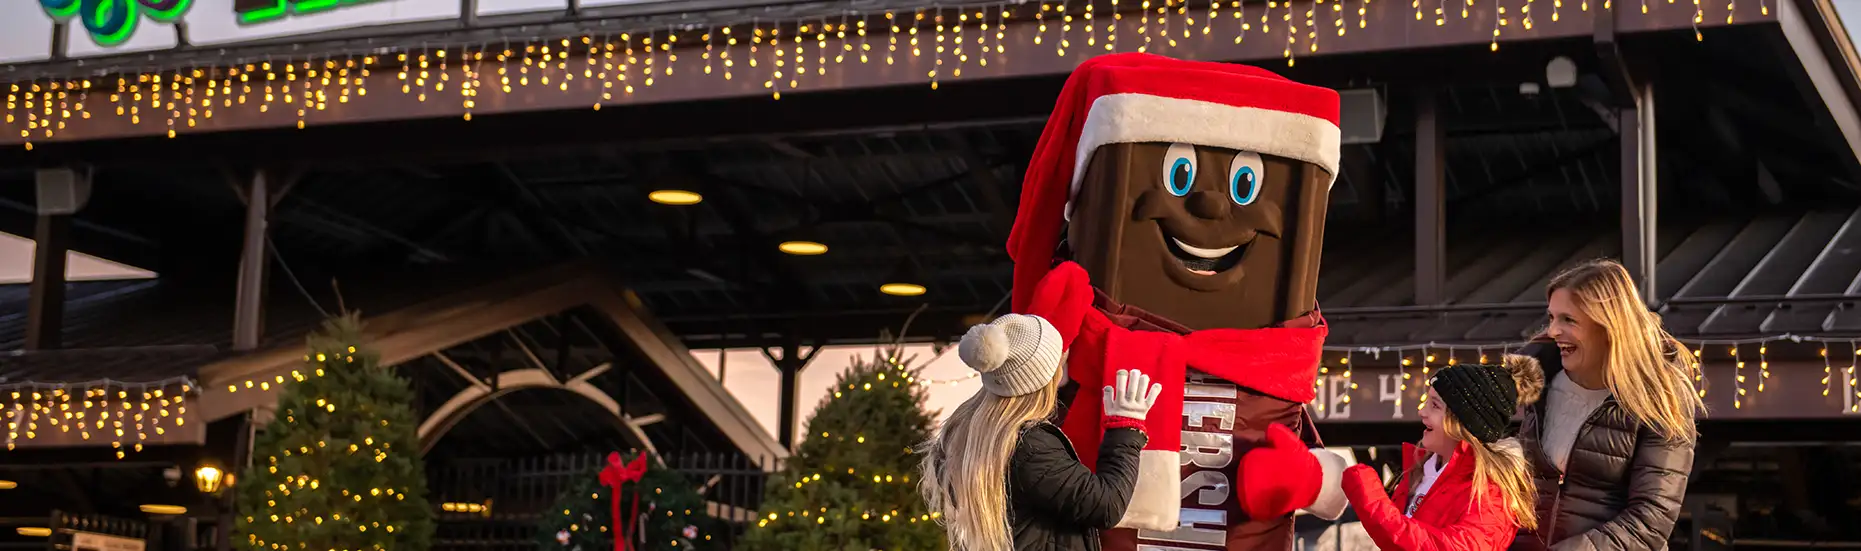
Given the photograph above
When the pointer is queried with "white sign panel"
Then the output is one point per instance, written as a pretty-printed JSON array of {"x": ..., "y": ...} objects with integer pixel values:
[
  {"x": 132, "y": 26},
  {"x": 86, "y": 541}
]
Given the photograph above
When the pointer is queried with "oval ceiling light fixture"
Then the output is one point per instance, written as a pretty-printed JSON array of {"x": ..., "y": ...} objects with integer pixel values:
[
  {"x": 902, "y": 289},
  {"x": 802, "y": 247},
  {"x": 34, "y": 531},
  {"x": 905, "y": 281},
  {"x": 8, "y": 484},
  {"x": 164, "y": 509},
  {"x": 675, "y": 197}
]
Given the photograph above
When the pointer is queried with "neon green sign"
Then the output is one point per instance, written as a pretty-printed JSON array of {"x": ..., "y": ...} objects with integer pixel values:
[{"x": 110, "y": 22}]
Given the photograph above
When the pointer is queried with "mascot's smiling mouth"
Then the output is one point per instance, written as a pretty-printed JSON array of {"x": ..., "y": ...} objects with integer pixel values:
[{"x": 1206, "y": 261}]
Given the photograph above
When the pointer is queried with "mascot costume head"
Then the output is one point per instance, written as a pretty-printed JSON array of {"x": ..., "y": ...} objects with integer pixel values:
[{"x": 1171, "y": 221}]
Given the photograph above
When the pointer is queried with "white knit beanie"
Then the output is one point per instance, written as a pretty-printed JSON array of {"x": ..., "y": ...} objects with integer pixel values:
[{"x": 1016, "y": 354}]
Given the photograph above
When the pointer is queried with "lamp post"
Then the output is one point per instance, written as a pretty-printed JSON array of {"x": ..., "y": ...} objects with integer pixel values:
[{"x": 211, "y": 480}]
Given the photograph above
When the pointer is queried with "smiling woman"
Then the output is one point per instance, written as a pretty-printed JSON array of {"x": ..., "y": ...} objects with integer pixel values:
[{"x": 1617, "y": 419}]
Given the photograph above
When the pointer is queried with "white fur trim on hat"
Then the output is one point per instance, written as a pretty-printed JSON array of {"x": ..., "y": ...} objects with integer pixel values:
[
  {"x": 1156, "y": 503},
  {"x": 1139, "y": 118},
  {"x": 1016, "y": 354}
]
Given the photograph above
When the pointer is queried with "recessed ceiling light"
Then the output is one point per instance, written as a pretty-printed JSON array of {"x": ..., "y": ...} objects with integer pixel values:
[
  {"x": 34, "y": 531},
  {"x": 902, "y": 289},
  {"x": 677, "y": 197},
  {"x": 164, "y": 509},
  {"x": 8, "y": 484},
  {"x": 802, "y": 248}
]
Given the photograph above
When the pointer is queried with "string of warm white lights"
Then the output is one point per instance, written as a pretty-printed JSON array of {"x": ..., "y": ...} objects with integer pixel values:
[
  {"x": 1427, "y": 358},
  {"x": 139, "y": 408},
  {"x": 180, "y": 98},
  {"x": 820, "y": 516}
]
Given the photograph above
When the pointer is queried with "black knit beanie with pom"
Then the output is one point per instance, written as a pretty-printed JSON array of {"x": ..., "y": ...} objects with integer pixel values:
[{"x": 1482, "y": 398}]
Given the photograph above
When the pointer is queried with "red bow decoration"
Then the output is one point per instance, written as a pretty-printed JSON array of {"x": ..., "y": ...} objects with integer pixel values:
[{"x": 615, "y": 475}]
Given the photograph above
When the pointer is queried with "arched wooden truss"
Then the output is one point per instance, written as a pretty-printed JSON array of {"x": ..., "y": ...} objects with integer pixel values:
[
  {"x": 432, "y": 328},
  {"x": 480, "y": 393}
]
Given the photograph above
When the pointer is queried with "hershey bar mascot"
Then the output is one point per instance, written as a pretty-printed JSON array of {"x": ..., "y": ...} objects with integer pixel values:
[{"x": 1191, "y": 199}]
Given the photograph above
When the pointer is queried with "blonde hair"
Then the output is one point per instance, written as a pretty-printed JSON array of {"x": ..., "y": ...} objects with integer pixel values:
[
  {"x": 1501, "y": 464},
  {"x": 1650, "y": 372},
  {"x": 965, "y": 469}
]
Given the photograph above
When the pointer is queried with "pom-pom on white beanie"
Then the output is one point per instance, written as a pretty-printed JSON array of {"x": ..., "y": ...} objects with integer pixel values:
[{"x": 1016, "y": 354}]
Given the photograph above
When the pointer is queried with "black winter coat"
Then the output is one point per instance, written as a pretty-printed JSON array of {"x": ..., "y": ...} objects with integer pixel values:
[
  {"x": 1055, "y": 502},
  {"x": 1623, "y": 484}
]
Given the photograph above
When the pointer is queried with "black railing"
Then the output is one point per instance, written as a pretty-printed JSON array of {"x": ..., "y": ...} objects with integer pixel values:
[{"x": 517, "y": 491}]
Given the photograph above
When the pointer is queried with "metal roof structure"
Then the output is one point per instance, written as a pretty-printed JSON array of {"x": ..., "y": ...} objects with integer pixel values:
[{"x": 933, "y": 190}]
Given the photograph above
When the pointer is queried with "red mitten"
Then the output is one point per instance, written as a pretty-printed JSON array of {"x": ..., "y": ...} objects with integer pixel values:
[
  {"x": 1063, "y": 298},
  {"x": 1362, "y": 484},
  {"x": 1279, "y": 478}
]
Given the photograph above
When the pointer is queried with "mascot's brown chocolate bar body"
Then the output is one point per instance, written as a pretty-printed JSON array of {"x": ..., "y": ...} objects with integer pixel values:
[{"x": 1196, "y": 197}]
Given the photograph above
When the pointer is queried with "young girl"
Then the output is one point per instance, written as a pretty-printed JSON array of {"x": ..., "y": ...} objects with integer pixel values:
[
  {"x": 1468, "y": 487},
  {"x": 1001, "y": 476}
]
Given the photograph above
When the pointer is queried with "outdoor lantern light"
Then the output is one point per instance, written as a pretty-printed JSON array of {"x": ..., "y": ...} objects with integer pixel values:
[
  {"x": 34, "y": 531},
  {"x": 210, "y": 479},
  {"x": 8, "y": 484},
  {"x": 903, "y": 282},
  {"x": 675, "y": 197},
  {"x": 164, "y": 509}
]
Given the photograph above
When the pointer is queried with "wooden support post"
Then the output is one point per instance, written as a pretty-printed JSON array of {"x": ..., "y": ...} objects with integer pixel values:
[
  {"x": 790, "y": 364},
  {"x": 1430, "y": 201},
  {"x": 1639, "y": 191},
  {"x": 249, "y": 305},
  {"x": 791, "y": 396},
  {"x": 61, "y": 192},
  {"x": 1633, "y": 97},
  {"x": 45, "y": 305}
]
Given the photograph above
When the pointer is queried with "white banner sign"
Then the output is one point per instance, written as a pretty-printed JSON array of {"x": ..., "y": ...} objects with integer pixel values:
[
  {"x": 111, "y": 27},
  {"x": 86, "y": 541}
]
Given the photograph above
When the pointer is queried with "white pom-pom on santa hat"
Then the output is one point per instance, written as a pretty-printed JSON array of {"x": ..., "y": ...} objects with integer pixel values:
[{"x": 1016, "y": 354}]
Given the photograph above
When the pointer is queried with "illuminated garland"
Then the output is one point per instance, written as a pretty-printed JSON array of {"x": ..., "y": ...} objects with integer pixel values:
[
  {"x": 1848, "y": 376},
  {"x": 620, "y": 61},
  {"x": 123, "y": 412}
]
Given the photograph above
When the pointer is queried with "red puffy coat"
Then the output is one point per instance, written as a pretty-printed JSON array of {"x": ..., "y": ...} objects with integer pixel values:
[{"x": 1447, "y": 518}]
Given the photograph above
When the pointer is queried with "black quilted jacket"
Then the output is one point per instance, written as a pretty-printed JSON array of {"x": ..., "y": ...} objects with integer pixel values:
[
  {"x": 1058, "y": 504},
  {"x": 1623, "y": 485}
]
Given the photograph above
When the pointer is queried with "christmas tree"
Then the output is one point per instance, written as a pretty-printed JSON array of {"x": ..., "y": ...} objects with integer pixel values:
[
  {"x": 670, "y": 514},
  {"x": 339, "y": 465},
  {"x": 849, "y": 485}
]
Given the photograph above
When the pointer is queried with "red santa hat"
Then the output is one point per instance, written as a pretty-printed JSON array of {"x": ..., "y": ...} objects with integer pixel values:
[{"x": 1132, "y": 98}]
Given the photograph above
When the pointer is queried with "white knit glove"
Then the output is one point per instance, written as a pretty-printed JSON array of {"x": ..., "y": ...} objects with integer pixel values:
[{"x": 1126, "y": 398}]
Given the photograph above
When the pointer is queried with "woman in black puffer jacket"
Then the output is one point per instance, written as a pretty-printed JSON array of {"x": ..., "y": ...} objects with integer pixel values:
[
  {"x": 999, "y": 476},
  {"x": 1612, "y": 441}
]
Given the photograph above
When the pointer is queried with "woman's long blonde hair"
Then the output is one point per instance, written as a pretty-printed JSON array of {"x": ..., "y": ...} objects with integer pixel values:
[
  {"x": 965, "y": 469},
  {"x": 1650, "y": 373},
  {"x": 1503, "y": 463}
]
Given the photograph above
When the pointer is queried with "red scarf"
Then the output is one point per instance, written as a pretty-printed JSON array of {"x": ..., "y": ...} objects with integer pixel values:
[{"x": 1281, "y": 362}]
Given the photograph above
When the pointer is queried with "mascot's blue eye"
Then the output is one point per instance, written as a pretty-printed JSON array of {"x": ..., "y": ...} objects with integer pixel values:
[
  {"x": 1182, "y": 174},
  {"x": 1244, "y": 188},
  {"x": 1179, "y": 169},
  {"x": 1244, "y": 178}
]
